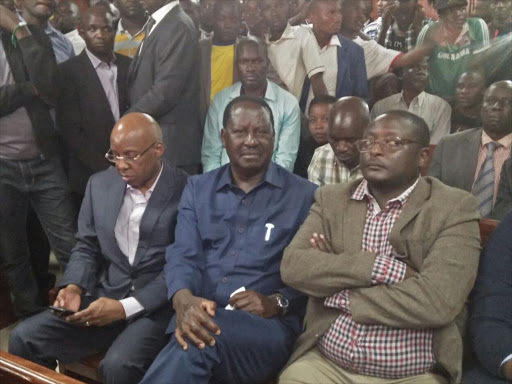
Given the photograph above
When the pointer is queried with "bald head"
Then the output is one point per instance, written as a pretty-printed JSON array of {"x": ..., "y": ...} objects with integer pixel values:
[
  {"x": 348, "y": 119},
  {"x": 497, "y": 110},
  {"x": 139, "y": 125}
]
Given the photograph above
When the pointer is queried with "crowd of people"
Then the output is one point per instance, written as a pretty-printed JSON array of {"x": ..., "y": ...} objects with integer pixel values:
[{"x": 233, "y": 189}]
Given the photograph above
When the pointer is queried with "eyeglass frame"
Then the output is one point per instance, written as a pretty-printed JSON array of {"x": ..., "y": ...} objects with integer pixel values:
[
  {"x": 384, "y": 147},
  {"x": 128, "y": 159}
]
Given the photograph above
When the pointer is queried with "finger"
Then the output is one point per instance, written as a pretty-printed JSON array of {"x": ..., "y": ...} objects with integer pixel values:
[
  {"x": 179, "y": 338},
  {"x": 244, "y": 302},
  {"x": 209, "y": 306},
  {"x": 313, "y": 243},
  {"x": 319, "y": 242},
  {"x": 80, "y": 317},
  {"x": 211, "y": 326},
  {"x": 327, "y": 243},
  {"x": 193, "y": 334},
  {"x": 240, "y": 295}
]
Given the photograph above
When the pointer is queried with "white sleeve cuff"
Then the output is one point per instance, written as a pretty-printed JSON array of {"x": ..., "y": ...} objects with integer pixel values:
[
  {"x": 509, "y": 357},
  {"x": 131, "y": 306}
]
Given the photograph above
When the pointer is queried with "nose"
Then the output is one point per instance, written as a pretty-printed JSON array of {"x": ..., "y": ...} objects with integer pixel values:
[
  {"x": 375, "y": 149},
  {"x": 250, "y": 140},
  {"x": 122, "y": 165}
]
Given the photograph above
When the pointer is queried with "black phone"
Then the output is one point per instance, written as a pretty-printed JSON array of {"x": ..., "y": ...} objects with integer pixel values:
[{"x": 59, "y": 311}]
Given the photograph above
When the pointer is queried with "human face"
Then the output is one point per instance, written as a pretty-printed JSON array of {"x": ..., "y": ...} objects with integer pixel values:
[
  {"x": 404, "y": 13},
  {"x": 98, "y": 34},
  {"x": 416, "y": 77},
  {"x": 207, "y": 13},
  {"x": 387, "y": 169},
  {"x": 151, "y": 6},
  {"x": 454, "y": 16},
  {"x": 253, "y": 17},
  {"x": 382, "y": 5},
  {"x": 131, "y": 9},
  {"x": 343, "y": 135},
  {"x": 138, "y": 173},
  {"x": 470, "y": 90},
  {"x": 276, "y": 14},
  {"x": 354, "y": 16},
  {"x": 319, "y": 122},
  {"x": 252, "y": 66},
  {"x": 248, "y": 138},
  {"x": 65, "y": 16},
  {"x": 226, "y": 23},
  {"x": 501, "y": 12},
  {"x": 38, "y": 9},
  {"x": 326, "y": 17},
  {"x": 497, "y": 111}
]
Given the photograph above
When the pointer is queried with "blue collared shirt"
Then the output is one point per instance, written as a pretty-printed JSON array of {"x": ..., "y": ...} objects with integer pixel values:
[
  {"x": 227, "y": 239},
  {"x": 62, "y": 47},
  {"x": 286, "y": 111}
]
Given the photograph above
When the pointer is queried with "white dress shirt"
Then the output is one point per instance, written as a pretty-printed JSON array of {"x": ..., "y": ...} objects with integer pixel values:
[
  {"x": 377, "y": 58},
  {"x": 161, "y": 13},
  {"x": 126, "y": 232}
]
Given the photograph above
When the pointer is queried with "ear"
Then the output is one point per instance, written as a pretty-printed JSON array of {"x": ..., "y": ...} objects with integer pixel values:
[
  {"x": 223, "y": 137},
  {"x": 424, "y": 158},
  {"x": 159, "y": 149}
]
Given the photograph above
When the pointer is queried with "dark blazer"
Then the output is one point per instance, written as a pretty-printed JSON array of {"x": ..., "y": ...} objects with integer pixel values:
[
  {"x": 33, "y": 67},
  {"x": 163, "y": 82},
  {"x": 503, "y": 203},
  {"x": 437, "y": 234},
  {"x": 84, "y": 116},
  {"x": 97, "y": 264}
]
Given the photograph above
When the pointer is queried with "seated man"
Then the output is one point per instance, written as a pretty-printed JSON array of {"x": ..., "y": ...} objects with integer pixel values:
[
  {"x": 490, "y": 319},
  {"x": 115, "y": 277},
  {"x": 252, "y": 65},
  {"x": 435, "y": 111},
  {"x": 233, "y": 225},
  {"x": 345, "y": 69},
  {"x": 388, "y": 262},
  {"x": 316, "y": 133},
  {"x": 472, "y": 160},
  {"x": 503, "y": 203},
  {"x": 469, "y": 94},
  {"x": 338, "y": 161}
]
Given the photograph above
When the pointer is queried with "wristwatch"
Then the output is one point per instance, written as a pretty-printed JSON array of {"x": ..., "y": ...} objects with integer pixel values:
[{"x": 282, "y": 302}]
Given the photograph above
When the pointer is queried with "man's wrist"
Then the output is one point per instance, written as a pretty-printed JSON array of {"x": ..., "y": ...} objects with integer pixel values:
[
  {"x": 180, "y": 297},
  {"x": 74, "y": 288},
  {"x": 281, "y": 303}
]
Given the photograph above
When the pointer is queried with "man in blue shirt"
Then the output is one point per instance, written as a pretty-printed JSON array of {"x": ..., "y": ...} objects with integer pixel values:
[
  {"x": 233, "y": 225},
  {"x": 252, "y": 64}
]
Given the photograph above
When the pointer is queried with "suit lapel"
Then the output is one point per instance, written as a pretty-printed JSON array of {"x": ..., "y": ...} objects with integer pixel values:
[
  {"x": 342, "y": 67},
  {"x": 121, "y": 85},
  {"x": 354, "y": 218},
  {"x": 470, "y": 158},
  {"x": 114, "y": 201},
  {"x": 160, "y": 197}
]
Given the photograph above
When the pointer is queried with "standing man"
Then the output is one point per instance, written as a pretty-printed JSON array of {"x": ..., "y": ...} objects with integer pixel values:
[
  {"x": 163, "y": 81},
  {"x": 233, "y": 225},
  {"x": 435, "y": 111},
  {"x": 93, "y": 97},
  {"x": 65, "y": 20},
  {"x": 252, "y": 64},
  {"x": 472, "y": 160},
  {"x": 387, "y": 263},
  {"x": 131, "y": 27},
  {"x": 467, "y": 105},
  {"x": 114, "y": 279},
  {"x": 338, "y": 160},
  {"x": 31, "y": 173}
]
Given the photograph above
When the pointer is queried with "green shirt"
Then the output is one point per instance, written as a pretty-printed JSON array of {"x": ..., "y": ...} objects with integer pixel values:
[{"x": 447, "y": 63}]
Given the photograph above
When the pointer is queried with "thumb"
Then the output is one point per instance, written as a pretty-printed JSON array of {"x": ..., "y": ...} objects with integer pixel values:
[{"x": 209, "y": 306}]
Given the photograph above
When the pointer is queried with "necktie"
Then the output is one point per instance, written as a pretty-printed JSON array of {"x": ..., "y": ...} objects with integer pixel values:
[
  {"x": 149, "y": 25},
  {"x": 483, "y": 189}
]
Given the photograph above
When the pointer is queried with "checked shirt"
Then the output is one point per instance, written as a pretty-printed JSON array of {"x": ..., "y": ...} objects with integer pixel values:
[{"x": 377, "y": 350}]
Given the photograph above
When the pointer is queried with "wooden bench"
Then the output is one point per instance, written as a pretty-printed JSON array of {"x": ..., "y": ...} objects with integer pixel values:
[{"x": 15, "y": 370}]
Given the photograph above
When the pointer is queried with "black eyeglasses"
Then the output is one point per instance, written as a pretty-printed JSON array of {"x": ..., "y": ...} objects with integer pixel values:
[
  {"x": 389, "y": 144},
  {"x": 110, "y": 156}
]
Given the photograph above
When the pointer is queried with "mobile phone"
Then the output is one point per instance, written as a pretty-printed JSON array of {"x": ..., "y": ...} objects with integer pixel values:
[{"x": 59, "y": 311}]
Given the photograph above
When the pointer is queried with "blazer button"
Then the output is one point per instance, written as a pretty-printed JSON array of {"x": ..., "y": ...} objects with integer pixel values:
[{"x": 224, "y": 279}]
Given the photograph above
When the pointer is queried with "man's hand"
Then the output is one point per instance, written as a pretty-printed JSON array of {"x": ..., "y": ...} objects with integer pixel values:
[
  {"x": 8, "y": 19},
  {"x": 388, "y": 16},
  {"x": 99, "y": 313},
  {"x": 410, "y": 272},
  {"x": 320, "y": 242},
  {"x": 506, "y": 370},
  {"x": 69, "y": 298},
  {"x": 194, "y": 320},
  {"x": 255, "y": 303}
]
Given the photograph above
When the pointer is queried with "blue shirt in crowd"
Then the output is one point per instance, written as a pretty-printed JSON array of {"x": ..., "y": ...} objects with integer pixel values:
[{"x": 227, "y": 239}]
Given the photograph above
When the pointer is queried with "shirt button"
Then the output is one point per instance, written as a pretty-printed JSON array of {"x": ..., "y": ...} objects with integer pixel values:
[
  {"x": 224, "y": 279},
  {"x": 240, "y": 230},
  {"x": 244, "y": 202},
  {"x": 232, "y": 253}
]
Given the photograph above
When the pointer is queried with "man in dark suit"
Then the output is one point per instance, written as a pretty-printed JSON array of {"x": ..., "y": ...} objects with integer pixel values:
[
  {"x": 93, "y": 96},
  {"x": 472, "y": 160},
  {"x": 115, "y": 276},
  {"x": 163, "y": 81}
]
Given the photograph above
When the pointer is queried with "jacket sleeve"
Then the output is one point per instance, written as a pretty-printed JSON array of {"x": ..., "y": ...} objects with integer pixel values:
[
  {"x": 490, "y": 320},
  {"x": 438, "y": 292},
  {"x": 321, "y": 274},
  {"x": 39, "y": 62}
]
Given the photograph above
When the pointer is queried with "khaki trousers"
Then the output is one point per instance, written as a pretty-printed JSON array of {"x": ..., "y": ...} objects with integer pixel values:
[{"x": 313, "y": 368}]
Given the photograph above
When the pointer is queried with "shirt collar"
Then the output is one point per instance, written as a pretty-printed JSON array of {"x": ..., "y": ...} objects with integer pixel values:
[
  {"x": 161, "y": 12},
  {"x": 150, "y": 190},
  {"x": 270, "y": 93},
  {"x": 97, "y": 62},
  {"x": 420, "y": 97},
  {"x": 121, "y": 29},
  {"x": 270, "y": 177},
  {"x": 287, "y": 34},
  {"x": 362, "y": 191},
  {"x": 505, "y": 141},
  {"x": 465, "y": 29}
]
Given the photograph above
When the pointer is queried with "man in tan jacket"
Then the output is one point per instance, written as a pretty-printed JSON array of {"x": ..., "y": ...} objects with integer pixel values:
[{"x": 388, "y": 262}]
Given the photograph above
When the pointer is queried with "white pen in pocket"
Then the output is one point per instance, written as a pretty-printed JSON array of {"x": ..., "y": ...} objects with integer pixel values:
[{"x": 269, "y": 226}]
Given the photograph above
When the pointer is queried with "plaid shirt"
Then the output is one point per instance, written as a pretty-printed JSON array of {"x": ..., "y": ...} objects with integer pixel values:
[
  {"x": 325, "y": 169},
  {"x": 377, "y": 350},
  {"x": 410, "y": 38}
]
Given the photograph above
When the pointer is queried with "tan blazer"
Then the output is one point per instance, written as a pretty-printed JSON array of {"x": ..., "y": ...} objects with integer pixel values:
[{"x": 437, "y": 234}]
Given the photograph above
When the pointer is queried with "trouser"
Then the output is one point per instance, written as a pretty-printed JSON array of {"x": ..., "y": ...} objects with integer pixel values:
[
  {"x": 249, "y": 349},
  {"x": 130, "y": 346},
  {"x": 313, "y": 368},
  {"x": 40, "y": 183}
]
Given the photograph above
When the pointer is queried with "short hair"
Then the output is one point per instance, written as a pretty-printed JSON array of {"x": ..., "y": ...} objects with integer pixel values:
[
  {"x": 322, "y": 99},
  {"x": 217, "y": 6},
  {"x": 250, "y": 40},
  {"x": 420, "y": 127},
  {"x": 251, "y": 99}
]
